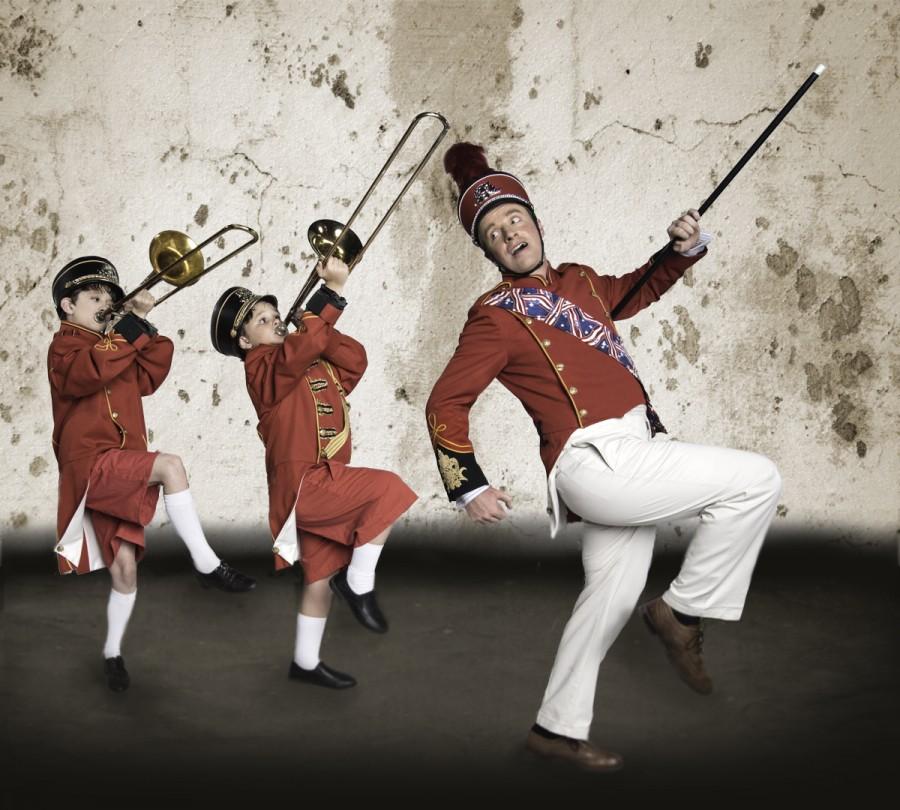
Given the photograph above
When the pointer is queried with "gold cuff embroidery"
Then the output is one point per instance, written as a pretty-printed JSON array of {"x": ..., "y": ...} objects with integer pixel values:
[{"x": 452, "y": 474}]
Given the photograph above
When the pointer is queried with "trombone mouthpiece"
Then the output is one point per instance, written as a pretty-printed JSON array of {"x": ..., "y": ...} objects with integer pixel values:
[
  {"x": 820, "y": 69},
  {"x": 281, "y": 330}
]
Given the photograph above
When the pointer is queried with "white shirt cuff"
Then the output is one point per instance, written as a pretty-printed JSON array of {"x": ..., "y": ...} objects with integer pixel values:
[
  {"x": 705, "y": 239},
  {"x": 464, "y": 500}
]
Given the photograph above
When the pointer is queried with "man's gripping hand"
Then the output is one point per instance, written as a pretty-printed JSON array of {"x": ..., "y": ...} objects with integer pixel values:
[
  {"x": 490, "y": 506},
  {"x": 685, "y": 231}
]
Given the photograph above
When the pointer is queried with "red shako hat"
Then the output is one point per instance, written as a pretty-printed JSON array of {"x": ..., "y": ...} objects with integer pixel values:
[{"x": 480, "y": 186}]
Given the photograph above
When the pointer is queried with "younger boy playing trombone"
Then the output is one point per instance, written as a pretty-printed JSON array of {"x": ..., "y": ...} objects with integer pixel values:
[{"x": 332, "y": 518}]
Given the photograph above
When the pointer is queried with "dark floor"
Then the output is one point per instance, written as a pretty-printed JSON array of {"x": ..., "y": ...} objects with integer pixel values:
[{"x": 807, "y": 696}]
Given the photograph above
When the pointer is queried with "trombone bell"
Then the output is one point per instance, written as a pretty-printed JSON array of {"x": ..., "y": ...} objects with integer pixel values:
[
  {"x": 166, "y": 249},
  {"x": 322, "y": 235}
]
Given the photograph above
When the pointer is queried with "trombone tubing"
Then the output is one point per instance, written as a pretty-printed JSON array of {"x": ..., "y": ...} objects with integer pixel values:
[
  {"x": 254, "y": 238},
  {"x": 157, "y": 275},
  {"x": 723, "y": 185},
  {"x": 313, "y": 276}
]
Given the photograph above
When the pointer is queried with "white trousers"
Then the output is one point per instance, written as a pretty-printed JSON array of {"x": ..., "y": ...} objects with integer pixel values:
[{"x": 622, "y": 482}]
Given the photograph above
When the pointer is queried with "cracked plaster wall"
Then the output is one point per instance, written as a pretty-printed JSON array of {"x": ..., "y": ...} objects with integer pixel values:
[{"x": 123, "y": 119}]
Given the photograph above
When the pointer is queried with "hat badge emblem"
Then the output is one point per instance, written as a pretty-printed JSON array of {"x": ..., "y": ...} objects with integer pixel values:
[{"x": 484, "y": 192}]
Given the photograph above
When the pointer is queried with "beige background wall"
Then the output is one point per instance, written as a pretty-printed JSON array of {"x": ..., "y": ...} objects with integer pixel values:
[{"x": 122, "y": 119}]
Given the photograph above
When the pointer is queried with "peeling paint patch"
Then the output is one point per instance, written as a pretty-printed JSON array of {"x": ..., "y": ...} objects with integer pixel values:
[
  {"x": 701, "y": 55},
  {"x": 183, "y": 395},
  {"x": 517, "y": 17},
  {"x": 841, "y": 424},
  {"x": 805, "y": 285},
  {"x": 861, "y": 449},
  {"x": 340, "y": 90},
  {"x": 783, "y": 261},
  {"x": 18, "y": 520},
  {"x": 202, "y": 215},
  {"x": 400, "y": 394},
  {"x": 37, "y": 466},
  {"x": 23, "y": 46},
  {"x": 839, "y": 319},
  {"x": 592, "y": 98},
  {"x": 817, "y": 11},
  {"x": 634, "y": 334},
  {"x": 5, "y": 412},
  {"x": 686, "y": 342},
  {"x": 781, "y": 510},
  {"x": 216, "y": 398}
]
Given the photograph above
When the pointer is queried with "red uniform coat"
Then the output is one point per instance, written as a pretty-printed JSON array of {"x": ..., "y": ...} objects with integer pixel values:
[
  {"x": 299, "y": 390},
  {"x": 96, "y": 385},
  {"x": 563, "y": 383}
]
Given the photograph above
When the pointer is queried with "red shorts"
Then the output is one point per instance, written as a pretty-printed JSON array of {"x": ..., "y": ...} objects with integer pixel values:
[
  {"x": 342, "y": 507},
  {"x": 121, "y": 500}
]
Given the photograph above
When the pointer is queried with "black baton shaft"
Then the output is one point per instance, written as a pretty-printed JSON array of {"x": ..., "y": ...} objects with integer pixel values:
[{"x": 654, "y": 260}]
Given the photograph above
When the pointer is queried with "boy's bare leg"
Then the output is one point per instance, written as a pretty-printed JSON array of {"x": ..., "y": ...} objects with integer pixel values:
[
  {"x": 361, "y": 571},
  {"x": 356, "y": 583},
  {"x": 315, "y": 602},
  {"x": 169, "y": 471},
  {"x": 123, "y": 572}
]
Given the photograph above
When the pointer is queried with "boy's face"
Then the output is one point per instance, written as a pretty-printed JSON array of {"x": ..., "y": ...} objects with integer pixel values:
[
  {"x": 84, "y": 305},
  {"x": 260, "y": 328},
  {"x": 510, "y": 235}
]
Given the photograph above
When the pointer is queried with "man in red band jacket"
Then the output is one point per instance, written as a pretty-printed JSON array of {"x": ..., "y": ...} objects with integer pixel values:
[{"x": 546, "y": 334}]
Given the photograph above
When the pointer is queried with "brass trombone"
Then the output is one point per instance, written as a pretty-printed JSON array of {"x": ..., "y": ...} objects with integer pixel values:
[
  {"x": 330, "y": 238},
  {"x": 177, "y": 260}
]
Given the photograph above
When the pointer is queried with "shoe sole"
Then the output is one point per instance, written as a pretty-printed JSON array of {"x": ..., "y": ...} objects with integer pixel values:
[{"x": 558, "y": 761}]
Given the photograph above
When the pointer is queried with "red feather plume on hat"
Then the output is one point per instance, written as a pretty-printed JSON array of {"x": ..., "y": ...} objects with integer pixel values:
[{"x": 466, "y": 163}]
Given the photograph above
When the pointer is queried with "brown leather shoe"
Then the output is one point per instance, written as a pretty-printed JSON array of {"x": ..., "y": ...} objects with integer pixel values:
[
  {"x": 580, "y": 753},
  {"x": 683, "y": 643}
]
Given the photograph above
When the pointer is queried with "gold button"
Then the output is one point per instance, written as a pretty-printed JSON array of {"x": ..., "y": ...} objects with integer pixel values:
[
  {"x": 115, "y": 415},
  {"x": 274, "y": 549},
  {"x": 528, "y": 321},
  {"x": 581, "y": 273},
  {"x": 560, "y": 366},
  {"x": 582, "y": 412},
  {"x": 545, "y": 342},
  {"x": 573, "y": 389},
  {"x": 109, "y": 390},
  {"x": 60, "y": 549}
]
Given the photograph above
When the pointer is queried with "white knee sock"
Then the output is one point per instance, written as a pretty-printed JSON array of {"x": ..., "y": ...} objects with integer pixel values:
[
  {"x": 309, "y": 639},
  {"x": 183, "y": 514},
  {"x": 361, "y": 571},
  {"x": 118, "y": 611}
]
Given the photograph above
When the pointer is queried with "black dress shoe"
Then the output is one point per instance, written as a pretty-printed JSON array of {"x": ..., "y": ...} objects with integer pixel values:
[
  {"x": 116, "y": 675},
  {"x": 226, "y": 578},
  {"x": 363, "y": 605},
  {"x": 322, "y": 675}
]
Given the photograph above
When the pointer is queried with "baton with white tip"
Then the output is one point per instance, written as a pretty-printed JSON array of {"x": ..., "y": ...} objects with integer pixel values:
[{"x": 654, "y": 260}]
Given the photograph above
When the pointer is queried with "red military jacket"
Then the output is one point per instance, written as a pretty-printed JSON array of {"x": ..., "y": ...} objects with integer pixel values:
[
  {"x": 563, "y": 383},
  {"x": 96, "y": 385},
  {"x": 299, "y": 390}
]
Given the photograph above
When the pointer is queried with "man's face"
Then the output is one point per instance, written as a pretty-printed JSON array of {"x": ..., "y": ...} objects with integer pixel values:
[
  {"x": 82, "y": 308},
  {"x": 260, "y": 328},
  {"x": 510, "y": 235}
]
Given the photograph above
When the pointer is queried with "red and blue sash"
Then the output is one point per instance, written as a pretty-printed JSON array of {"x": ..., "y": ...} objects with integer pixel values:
[{"x": 560, "y": 313}]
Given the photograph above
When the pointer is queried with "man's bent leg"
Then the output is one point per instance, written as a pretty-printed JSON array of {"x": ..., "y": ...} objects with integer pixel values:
[{"x": 616, "y": 561}]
